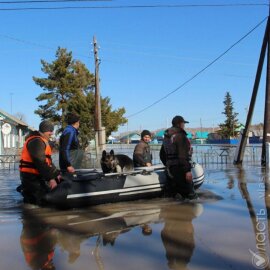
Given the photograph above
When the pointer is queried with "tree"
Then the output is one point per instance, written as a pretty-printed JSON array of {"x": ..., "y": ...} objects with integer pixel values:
[
  {"x": 69, "y": 87},
  {"x": 229, "y": 127},
  {"x": 67, "y": 79},
  {"x": 21, "y": 116}
]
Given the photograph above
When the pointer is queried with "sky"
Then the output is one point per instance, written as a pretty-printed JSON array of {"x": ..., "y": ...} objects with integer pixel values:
[{"x": 153, "y": 56}]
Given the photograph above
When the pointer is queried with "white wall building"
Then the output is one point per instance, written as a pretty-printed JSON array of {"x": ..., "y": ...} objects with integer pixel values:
[{"x": 12, "y": 133}]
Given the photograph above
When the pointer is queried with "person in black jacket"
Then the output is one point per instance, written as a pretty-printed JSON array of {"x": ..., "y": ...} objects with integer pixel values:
[
  {"x": 69, "y": 144},
  {"x": 37, "y": 172},
  {"x": 175, "y": 154},
  {"x": 142, "y": 156}
]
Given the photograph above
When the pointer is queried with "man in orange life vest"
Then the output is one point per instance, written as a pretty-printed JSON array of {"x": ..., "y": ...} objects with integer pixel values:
[{"x": 38, "y": 173}]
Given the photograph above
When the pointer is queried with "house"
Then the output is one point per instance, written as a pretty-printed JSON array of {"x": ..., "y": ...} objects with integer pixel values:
[
  {"x": 112, "y": 140},
  {"x": 159, "y": 135},
  {"x": 131, "y": 138},
  {"x": 201, "y": 135},
  {"x": 12, "y": 133}
]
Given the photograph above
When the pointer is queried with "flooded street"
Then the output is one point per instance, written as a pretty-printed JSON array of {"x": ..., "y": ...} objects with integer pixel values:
[{"x": 224, "y": 229}]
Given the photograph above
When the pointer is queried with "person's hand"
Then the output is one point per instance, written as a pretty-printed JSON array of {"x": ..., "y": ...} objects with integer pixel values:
[
  {"x": 52, "y": 184},
  {"x": 189, "y": 176},
  {"x": 58, "y": 178},
  {"x": 148, "y": 164},
  {"x": 70, "y": 169}
]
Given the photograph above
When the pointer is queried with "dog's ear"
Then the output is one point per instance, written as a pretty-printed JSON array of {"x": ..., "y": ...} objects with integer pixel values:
[
  {"x": 104, "y": 154},
  {"x": 112, "y": 152}
]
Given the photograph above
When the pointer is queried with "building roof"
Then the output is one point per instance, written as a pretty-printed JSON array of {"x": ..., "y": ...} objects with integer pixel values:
[
  {"x": 160, "y": 133},
  {"x": 12, "y": 119},
  {"x": 132, "y": 136},
  {"x": 201, "y": 134},
  {"x": 189, "y": 135},
  {"x": 257, "y": 132}
]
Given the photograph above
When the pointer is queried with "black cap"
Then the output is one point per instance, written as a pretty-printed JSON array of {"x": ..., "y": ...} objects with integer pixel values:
[
  {"x": 72, "y": 118},
  {"x": 46, "y": 126},
  {"x": 178, "y": 119},
  {"x": 145, "y": 132}
]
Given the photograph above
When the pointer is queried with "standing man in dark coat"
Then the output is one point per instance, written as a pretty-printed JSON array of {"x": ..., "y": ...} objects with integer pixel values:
[
  {"x": 142, "y": 156},
  {"x": 175, "y": 154},
  {"x": 69, "y": 144}
]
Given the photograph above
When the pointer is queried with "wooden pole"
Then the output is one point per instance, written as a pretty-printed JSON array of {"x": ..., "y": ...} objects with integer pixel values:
[
  {"x": 100, "y": 131},
  {"x": 266, "y": 126},
  {"x": 97, "y": 90},
  {"x": 243, "y": 141}
]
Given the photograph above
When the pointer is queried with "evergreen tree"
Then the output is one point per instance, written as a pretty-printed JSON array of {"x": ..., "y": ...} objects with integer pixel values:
[
  {"x": 69, "y": 87},
  {"x": 229, "y": 128}
]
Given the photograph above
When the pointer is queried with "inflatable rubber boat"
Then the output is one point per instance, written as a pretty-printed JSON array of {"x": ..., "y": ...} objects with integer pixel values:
[{"x": 92, "y": 187}]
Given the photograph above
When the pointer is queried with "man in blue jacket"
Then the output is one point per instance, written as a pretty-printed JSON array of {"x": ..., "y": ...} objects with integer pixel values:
[{"x": 69, "y": 144}]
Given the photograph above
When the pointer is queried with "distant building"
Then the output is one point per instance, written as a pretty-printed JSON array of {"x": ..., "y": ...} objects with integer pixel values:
[
  {"x": 12, "y": 133},
  {"x": 131, "y": 138},
  {"x": 201, "y": 135},
  {"x": 189, "y": 135},
  {"x": 112, "y": 140},
  {"x": 159, "y": 136}
]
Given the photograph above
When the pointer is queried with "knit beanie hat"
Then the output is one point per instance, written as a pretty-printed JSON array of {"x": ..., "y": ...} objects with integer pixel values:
[
  {"x": 45, "y": 126},
  {"x": 72, "y": 118},
  {"x": 145, "y": 132}
]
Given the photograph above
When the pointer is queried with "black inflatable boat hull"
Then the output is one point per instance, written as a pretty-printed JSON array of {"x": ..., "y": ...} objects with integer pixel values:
[{"x": 91, "y": 187}]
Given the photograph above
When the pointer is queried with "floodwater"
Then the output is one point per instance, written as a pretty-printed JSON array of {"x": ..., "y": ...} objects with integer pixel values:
[{"x": 227, "y": 228}]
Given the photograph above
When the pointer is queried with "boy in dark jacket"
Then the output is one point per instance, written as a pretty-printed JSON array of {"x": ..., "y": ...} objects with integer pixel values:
[{"x": 142, "y": 156}]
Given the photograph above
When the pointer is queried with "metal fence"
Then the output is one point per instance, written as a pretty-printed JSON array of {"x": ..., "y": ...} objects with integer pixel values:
[
  {"x": 9, "y": 162},
  {"x": 202, "y": 153},
  {"x": 219, "y": 154}
]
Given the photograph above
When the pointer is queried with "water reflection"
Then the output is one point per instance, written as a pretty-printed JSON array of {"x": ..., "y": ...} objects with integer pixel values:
[
  {"x": 45, "y": 230},
  {"x": 38, "y": 242},
  {"x": 267, "y": 201},
  {"x": 178, "y": 233},
  {"x": 259, "y": 218}
]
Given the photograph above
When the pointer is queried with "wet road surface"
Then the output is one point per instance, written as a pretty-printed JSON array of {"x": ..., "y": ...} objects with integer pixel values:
[{"x": 226, "y": 228}]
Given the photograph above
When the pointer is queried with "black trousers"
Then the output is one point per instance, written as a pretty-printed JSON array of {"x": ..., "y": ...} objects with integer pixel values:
[
  {"x": 33, "y": 188},
  {"x": 178, "y": 182}
]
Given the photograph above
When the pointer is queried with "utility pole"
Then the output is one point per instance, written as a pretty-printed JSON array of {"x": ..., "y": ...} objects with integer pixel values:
[
  {"x": 266, "y": 126},
  {"x": 11, "y": 94},
  {"x": 100, "y": 131},
  {"x": 243, "y": 141}
]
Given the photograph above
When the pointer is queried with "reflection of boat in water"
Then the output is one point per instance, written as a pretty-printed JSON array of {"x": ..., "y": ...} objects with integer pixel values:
[
  {"x": 92, "y": 187},
  {"x": 46, "y": 229}
]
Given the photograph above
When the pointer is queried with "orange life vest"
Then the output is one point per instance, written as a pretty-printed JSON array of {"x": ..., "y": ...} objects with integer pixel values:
[
  {"x": 26, "y": 162},
  {"x": 38, "y": 249}
]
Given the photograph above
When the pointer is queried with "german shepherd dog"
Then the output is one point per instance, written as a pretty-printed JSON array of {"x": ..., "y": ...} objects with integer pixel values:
[{"x": 111, "y": 163}]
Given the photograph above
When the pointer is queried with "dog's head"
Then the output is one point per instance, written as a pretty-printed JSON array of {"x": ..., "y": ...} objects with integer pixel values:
[{"x": 107, "y": 162}]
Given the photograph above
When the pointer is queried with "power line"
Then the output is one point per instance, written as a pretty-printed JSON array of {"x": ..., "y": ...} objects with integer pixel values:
[
  {"x": 132, "y": 6},
  {"x": 117, "y": 61},
  {"x": 201, "y": 71},
  {"x": 50, "y": 1},
  {"x": 26, "y": 42},
  {"x": 38, "y": 45}
]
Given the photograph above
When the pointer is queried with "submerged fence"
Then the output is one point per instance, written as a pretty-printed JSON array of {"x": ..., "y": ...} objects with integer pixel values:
[
  {"x": 202, "y": 153},
  {"x": 9, "y": 162}
]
